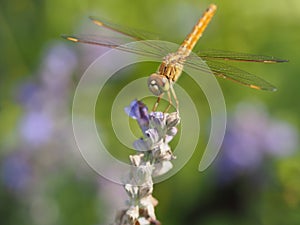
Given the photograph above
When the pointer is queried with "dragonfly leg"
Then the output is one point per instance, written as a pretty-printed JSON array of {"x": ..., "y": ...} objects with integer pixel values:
[
  {"x": 157, "y": 102},
  {"x": 170, "y": 102},
  {"x": 175, "y": 97}
]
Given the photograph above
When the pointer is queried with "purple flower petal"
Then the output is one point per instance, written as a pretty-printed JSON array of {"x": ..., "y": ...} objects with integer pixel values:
[{"x": 138, "y": 111}]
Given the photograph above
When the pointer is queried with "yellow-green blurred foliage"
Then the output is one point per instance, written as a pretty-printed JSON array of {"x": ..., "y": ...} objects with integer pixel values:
[{"x": 55, "y": 186}]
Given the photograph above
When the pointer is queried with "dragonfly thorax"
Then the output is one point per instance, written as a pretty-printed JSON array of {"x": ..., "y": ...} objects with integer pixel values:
[{"x": 172, "y": 66}]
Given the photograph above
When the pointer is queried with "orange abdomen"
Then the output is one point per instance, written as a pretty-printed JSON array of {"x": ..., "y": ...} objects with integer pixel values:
[{"x": 192, "y": 38}]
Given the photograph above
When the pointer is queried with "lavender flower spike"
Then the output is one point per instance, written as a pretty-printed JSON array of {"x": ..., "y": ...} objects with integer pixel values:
[{"x": 152, "y": 159}]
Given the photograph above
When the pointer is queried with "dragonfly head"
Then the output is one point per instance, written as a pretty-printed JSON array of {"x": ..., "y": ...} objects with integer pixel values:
[{"x": 158, "y": 84}]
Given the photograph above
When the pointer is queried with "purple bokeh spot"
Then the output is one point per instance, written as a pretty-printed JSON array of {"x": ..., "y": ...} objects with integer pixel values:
[
  {"x": 58, "y": 65},
  {"x": 36, "y": 128},
  {"x": 251, "y": 136},
  {"x": 16, "y": 172},
  {"x": 27, "y": 92},
  {"x": 281, "y": 139}
]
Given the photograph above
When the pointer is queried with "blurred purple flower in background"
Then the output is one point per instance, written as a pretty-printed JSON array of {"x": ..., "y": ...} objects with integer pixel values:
[
  {"x": 59, "y": 63},
  {"x": 16, "y": 172},
  {"x": 45, "y": 148},
  {"x": 252, "y": 135},
  {"x": 36, "y": 128},
  {"x": 47, "y": 102}
]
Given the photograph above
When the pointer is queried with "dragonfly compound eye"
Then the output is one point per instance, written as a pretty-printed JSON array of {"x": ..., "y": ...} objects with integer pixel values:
[{"x": 158, "y": 84}]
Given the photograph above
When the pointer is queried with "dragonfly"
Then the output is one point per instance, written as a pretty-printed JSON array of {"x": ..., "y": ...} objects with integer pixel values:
[{"x": 171, "y": 67}]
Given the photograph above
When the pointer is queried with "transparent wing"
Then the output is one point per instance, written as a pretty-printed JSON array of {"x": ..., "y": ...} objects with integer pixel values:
[
  {"x": 127, "y": 35},
  {"x": 110, "y": 42},
  {"x": 143, "y": 48},
  {"x": 237, "y": 56},
  {"x": 231, "y": 73},
  {"x": 135, "y": 34}
]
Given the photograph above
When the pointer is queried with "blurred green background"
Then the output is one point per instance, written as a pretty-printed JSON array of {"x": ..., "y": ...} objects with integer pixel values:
[{"x": 44, "y": 180}]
